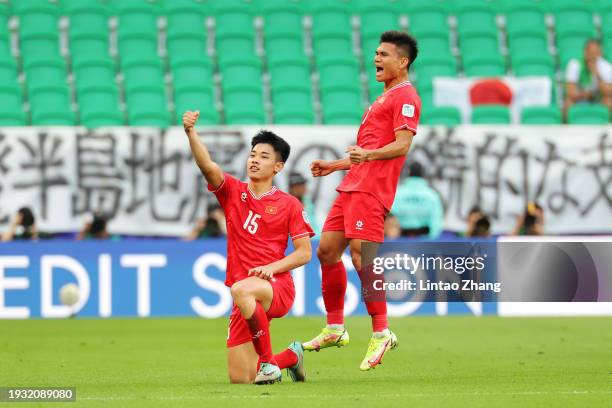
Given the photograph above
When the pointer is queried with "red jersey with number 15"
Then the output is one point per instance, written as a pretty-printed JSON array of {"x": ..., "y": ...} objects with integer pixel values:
[
  {"x": 258, "y": 228},
  {"x": 398, "y": 108}
]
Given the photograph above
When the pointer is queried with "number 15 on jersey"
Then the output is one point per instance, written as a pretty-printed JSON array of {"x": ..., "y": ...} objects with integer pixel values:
[{"x": 251, "y": 222}]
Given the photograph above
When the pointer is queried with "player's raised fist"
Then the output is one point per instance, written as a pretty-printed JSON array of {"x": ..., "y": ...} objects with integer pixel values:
[
  {"x": 190, "y": 118},
  {"x": 320, "y": 168}
]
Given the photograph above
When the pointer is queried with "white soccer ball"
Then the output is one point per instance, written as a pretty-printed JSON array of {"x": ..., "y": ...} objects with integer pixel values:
[{"x": 69, "y": 294}]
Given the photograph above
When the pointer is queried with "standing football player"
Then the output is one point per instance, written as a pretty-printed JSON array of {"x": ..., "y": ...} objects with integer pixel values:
[
  {"x": 260, "y": 219},
  {"x": 366, "y": 193}
]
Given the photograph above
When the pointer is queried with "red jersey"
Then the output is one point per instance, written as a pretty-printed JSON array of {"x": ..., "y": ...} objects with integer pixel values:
[
  {"x": 257, "y": 227},
  {"x": 398, "y": 108}
]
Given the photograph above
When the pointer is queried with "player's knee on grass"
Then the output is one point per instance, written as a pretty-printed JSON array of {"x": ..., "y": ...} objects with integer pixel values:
[{"x": 240, "y": 376}]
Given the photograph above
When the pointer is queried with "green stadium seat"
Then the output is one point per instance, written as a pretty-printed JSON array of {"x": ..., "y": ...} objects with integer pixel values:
[
  {"x": 605, "y": 14},
  {"x": 196, "y": 97},
  {"x": 288, "y": 43},
  {"x": 137, "y": 45},
  {"x": 99, "y": 106},
  {"x": 426, "y": 18},
  {"x": 89, "y": 18},
  {"x": 571, "y": 42},
  {"x": 337, "y": 70},
  {"x": 146, "y": 105},
  {"x": 530, "y": 41},
  {"x": 475, "y": 42},
  {"x": 142, "y": 71},
  {"x": 332, "y": 44},
  {"x": 185, "y": 17},
  {"x": 5, "y": 46},
  {"x": 50, "y": 105},
  {"x": 440, "y": 115},
  {"x": 588, "y": 114},
  {"x": 11, "y": 105},
  {"x": 243, "y": 104},
  {"x": 434, "y": 45},
  {"x": 89, "y": 45},
  {"x": 233, "y": 18},
  {"x": 426, "y": 94},
  {"x": 477, "y": 16},
  {"x": 331, "y": 18},
  {"x": 292, "y": 104},
  {"x": 136, "y": 17},
  {"x": 377, "y": 18},
  {"x": 235, "y": 43},
  {"x": 341, "y": 105},
  {"x": 288, "y": 70},
  {"x": 607, "y": 48},
  {"x": 484, "y": 65},
  {"x": 192, "y": 70},
  {"x": 524, "y": 15},
  {"x": 184, "y": 44},
  {"x": 8, "y": 71},
  {"x": 34, "y": 19},
  {"x": 241, "y": 69},
  {"x": 94, "y": 71},
  {"x": 375, "y": 89},
  {"x": 281, "y": 17},
  {"x": 369, "y": 45},
  {"x": 570, "y": 15},
  {"x": 42, "y": 72},
  {"x": 426, "y": 68},
  {"x": 541, "y": 115},
  {"x": 533, "y": 65},
  {"x": 39, "y": 46},
  {"x": 490, "y": 115}
]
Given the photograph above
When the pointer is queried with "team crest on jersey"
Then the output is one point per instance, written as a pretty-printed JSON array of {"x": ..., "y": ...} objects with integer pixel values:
[
  {"x": 408, "y": 110},
  {"x": 243, "y": 197},
  {"x": 271, "y": 210},
  {"x": 305, "y": 216}
]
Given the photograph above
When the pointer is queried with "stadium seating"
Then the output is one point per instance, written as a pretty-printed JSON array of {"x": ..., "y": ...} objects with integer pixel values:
[
  {"x": 440, "y": 115},
  {"x": 490, "y": 115},
  {"x": 51, "y": 105},
  {"x": 99, "y": 106},
  {"x": 11, "y": 107},
  {"x": 588, "y": 114},
  {"x": 148, "y": 41},
  {"x": 541, "y": 115}
]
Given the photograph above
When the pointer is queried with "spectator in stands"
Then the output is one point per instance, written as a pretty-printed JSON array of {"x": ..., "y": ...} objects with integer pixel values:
[
  {"x": 298, "y": 189},
  {"x": 23, "y": 226},
  {"x": 482, "y": 227},
  {"x": 96, "y": 228},
  {"x": 474, "y": 215},
  {"x": 588, "y": 80},
  {"x": 393, "y": 230},
  {"x": 417, "y": 206},
  {"x": 531, "y": 222},
  {"x": 211, "y": 226}
]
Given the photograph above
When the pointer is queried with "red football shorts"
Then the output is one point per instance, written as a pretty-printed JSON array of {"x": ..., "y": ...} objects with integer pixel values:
[
  {"x": 359, "y": 215},
  {"x": 282, "y": 299}
]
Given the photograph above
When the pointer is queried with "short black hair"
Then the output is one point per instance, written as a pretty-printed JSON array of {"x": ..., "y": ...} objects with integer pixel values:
[
  {"x": 416, "y": 169},
  {"x": 406, "y": 43},
  {"x": 280, "y": 146},
  {"x": 27, "y": 217}
]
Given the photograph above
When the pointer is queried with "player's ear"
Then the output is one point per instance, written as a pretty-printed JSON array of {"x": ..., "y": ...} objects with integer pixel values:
[{"x": 278, "y": 166}]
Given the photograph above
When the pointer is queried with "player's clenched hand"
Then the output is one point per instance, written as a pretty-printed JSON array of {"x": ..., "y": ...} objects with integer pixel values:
[
  {"x": 357, "y": 154},
  {"x": 320, "y": 168},
  {"x": 190, "y": 118},
  {"x": 263, "y": 272}
]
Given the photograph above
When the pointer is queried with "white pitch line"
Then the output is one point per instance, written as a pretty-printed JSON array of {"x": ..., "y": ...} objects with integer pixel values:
[{"x": 352, "y": 396}]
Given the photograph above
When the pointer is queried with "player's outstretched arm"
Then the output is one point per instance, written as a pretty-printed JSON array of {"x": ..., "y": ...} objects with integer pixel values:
[
  {"x": 397, "y": 148},
  {"x": 300, "y": 256},
  {"x": 320, "y": 168},
  {"x": 211, "y": 170}
]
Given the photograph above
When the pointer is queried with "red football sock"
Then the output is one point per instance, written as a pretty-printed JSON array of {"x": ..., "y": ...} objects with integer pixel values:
[
  {"x": 286, "y": 359},
  {"x": 378, "y": 312},
  {"x": 333, "y": 287},
  {"x": 259, "y": 326}
]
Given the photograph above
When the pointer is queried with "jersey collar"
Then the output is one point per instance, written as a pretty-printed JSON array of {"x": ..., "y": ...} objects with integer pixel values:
[
  {"x": 266, "y": 194},
  {"x": 397, "y": 86}
]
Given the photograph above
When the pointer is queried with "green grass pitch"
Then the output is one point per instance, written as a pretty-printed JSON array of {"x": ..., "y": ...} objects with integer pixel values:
[{"x": 440, "y": 362}]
